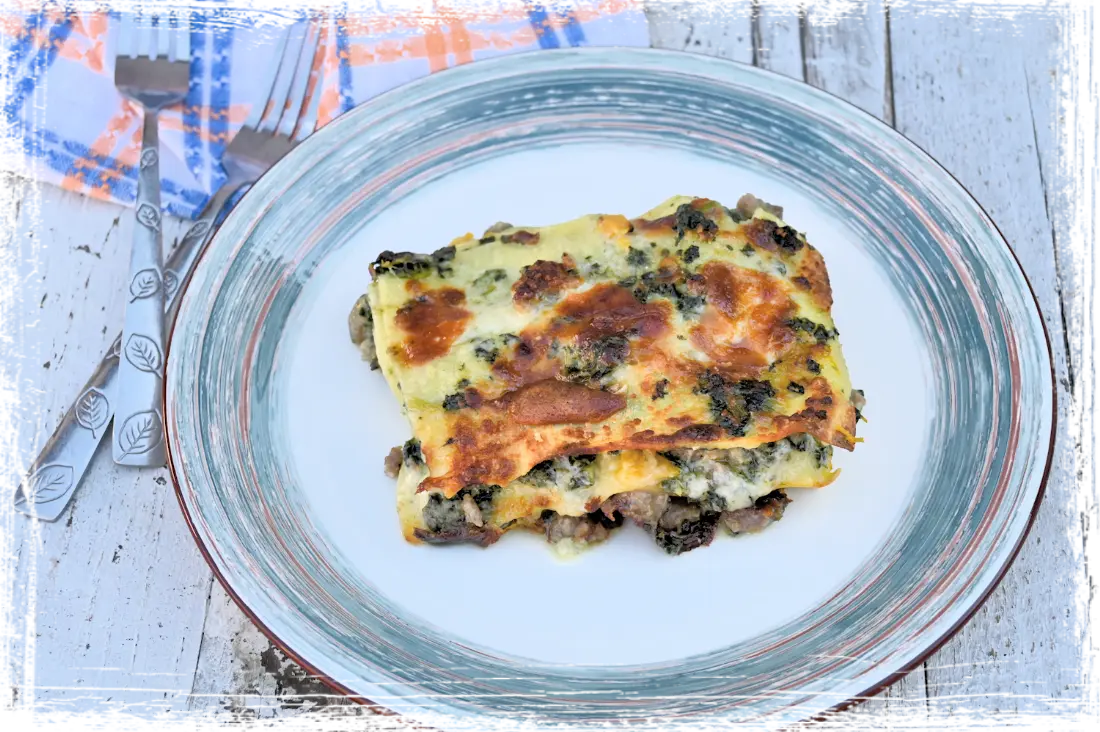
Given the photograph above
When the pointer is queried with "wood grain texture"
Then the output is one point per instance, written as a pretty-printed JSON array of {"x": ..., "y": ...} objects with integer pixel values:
[
  {"x": 127, "y": 609},
  {"x": 117, "y": 585},
  {"x": 1065, "y": 111},
  {"x": 244, "y": 683},
  {"x": 778, "y": 38},
  {"x": 726, "y": 33},
  {"x": 848, "y": 55},
  {"x": 1021, "y": 653}
]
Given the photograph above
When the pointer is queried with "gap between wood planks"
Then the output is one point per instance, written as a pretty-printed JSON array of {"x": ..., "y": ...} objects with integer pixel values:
[{"x": 1088, "y": 530}]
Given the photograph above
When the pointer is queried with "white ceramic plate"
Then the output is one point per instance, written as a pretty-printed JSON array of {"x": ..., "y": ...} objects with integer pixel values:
[{"x": 278, "y": 430}]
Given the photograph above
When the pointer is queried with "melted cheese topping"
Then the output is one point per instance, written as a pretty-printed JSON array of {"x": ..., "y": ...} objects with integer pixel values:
[{"x": 689, "y": 326}]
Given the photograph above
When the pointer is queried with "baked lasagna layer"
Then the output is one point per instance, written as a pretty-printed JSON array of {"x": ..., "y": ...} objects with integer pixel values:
[
  {"x": 682, "y": 497},
  {"x": 546, "y": 370}
]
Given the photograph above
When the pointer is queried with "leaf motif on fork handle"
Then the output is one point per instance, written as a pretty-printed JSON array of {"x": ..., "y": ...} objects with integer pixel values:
[
  {"x": 144, "y": 354},
  {"x": 197, "y": 230},
  {"x": 93, "y": 410},
  {"x": 49, "y": 483},
  {"x": 73, "y": 444},
  {"x": 171, "y": 283},
  {"x": 146, "y": 283},
  {"x": 141, "y": 368},
  {"x": 140, "y": 433},
  {"x": 149, "y": 157},
  {"x": 147, "y": 214}
]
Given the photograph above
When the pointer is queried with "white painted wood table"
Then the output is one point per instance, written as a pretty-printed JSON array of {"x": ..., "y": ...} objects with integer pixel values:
[{"x": 114, "y": 608}]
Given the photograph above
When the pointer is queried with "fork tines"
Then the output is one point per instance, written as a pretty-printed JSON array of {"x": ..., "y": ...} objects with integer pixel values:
[
  {"x": 288, "y": 112},
  {"x": 167, "y": 35}
]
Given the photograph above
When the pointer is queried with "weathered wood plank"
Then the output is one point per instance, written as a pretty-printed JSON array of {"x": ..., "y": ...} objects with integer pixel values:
[
  {"x": 778, "y": 38},
  {"x": 243, "y": 683},
  {"x": 848, "y": 54},
  {"x": 723, "y": 32},
  {"x": 117, "y": 587},
  {"x": 1021, "y": 652},
  {"x": 1069, "y": 155}
]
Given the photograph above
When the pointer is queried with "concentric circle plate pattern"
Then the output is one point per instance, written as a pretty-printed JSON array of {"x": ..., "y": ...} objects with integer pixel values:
[{"x": 277, "y": 429}]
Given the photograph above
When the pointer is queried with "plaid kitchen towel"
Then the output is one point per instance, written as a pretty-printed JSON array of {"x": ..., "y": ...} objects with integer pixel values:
[{"x": 79, "y": 133}]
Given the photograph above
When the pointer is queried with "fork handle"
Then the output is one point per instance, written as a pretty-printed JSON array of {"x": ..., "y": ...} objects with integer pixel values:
[
  {"x": 139, "y": 431},
  {"x": 57, "y": 471}
]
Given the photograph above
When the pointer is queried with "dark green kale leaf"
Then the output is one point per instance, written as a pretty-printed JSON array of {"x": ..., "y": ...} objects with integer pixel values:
[{"x": 689, "y": 218}]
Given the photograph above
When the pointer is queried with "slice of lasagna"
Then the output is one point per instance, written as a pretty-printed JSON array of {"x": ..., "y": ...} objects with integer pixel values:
[{"x": 678, "y": 370}]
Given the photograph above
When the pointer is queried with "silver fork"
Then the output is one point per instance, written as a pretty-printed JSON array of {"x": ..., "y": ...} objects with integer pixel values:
[
  {"x": 152, "y": 68},
  {"x": 269, "y": 133}
]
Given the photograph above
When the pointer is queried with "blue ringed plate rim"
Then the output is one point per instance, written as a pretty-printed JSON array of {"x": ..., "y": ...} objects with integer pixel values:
[{"x": 580, "y": 53}]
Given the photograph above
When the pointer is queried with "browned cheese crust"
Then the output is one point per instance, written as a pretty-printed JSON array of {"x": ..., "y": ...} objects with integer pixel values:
[{"x": 691, "y": 326}]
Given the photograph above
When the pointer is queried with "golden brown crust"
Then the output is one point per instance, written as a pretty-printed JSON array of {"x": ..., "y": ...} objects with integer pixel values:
[
  {"x": 543, "y": 280},
  {"x": 526, "y": 238},
  {"x": 813, "y": 277},
  {"x": 607, "y": 310},
  {"x": 746, "y": 323},
  {"x": 432, "y": 320},
  {"x": 685, "y": 327},
  {"x": 604, "y": 311},
  {"x": 559, "y": 402}
]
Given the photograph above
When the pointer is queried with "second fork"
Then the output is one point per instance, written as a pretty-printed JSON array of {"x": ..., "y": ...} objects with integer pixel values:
[{"x": 287, "y": 117}]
